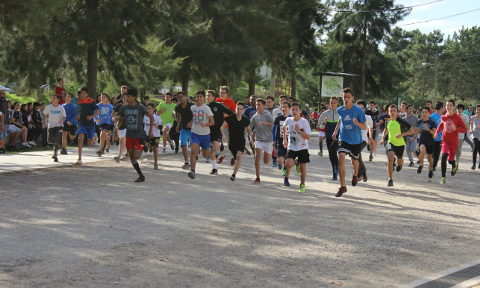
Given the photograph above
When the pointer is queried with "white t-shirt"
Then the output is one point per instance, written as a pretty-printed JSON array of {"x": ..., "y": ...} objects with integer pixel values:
[
  {"x": 157, "y": 121},
  {"x": 55, "y": 115},
  {"x": 296, "y": 141},
  {"x": 276, "y": 112},
  {"x": 465, "y": 120},
  {"x": 201, "y": 114},
  {"x": 369, "y": 123}
]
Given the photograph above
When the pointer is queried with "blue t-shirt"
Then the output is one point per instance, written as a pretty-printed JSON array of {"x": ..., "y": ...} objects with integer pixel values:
[
  {"x": 349, "y": 132},
  {"x": 437, "y": 118},
  {"x": 249, "y": 112},
  {"x": 105, "y": 115},
  {"x": 71, "y": 112}
]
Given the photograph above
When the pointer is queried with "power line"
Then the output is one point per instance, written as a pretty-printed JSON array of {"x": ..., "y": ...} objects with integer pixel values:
[
  {"x": 425, "y": 21},
  {"x": 373, "y": 11}
]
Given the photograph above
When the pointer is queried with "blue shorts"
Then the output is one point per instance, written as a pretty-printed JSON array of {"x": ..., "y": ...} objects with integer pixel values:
[
  {"x": 202, "y": 140},
  {"x": 3, "y": 135},
  {"x": 89, "y": 130},
  {"x": 184, "y": 135},
  {"x": 281, "y": 151}
]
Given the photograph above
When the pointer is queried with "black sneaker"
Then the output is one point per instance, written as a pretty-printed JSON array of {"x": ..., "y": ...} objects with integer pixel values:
[
  {"x": 365, "y": 177},
  {"x": 390, "y": 183},
  {"x": 191, "y": 175},
  {"x": 140, "y": 179},
  {"x": 55, "y": 159},
  {"x": 354, "y": 181},
  {"x": 63, "y": 152},
  {"x": 430, "y": 174},
  {"x": 232, "y": 178},
  {"x": 411, "y": 164},
  {"x": 145, "y": 148},
  {"x": 399, "y": 167},
  {"x": 370, "y": 158},
  {"x": 214, "y": 171},
  {"x": 116, "y": 159},
  {"x": 99, "y": 153},
  {"x": 473, "y": 167},
  {"x": 340, "y": 192},
  {"x": 419, "y": 169}
]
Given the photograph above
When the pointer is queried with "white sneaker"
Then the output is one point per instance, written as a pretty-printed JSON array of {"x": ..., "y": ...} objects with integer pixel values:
[
  {"x": 26, "y": 144},
  {"x": 31, "y": 143}
]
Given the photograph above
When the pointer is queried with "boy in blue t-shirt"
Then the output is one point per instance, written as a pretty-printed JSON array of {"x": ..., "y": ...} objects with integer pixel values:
[
  {"x": 70, "y": 123},
  {"x": 105, "y": 123},
  {"x": 351, "y": 122}
]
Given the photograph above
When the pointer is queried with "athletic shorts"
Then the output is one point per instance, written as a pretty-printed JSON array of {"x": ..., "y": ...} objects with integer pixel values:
[
  {"x": 168, "y": 124},
  {"x": 398, "y": 150},
  {"x": 450, "y": 149},
  {"x": 154, "y": 141},
  {"x": 135, "y": 143},
  {"x": 216, "y": 136},
  {"x": 12, "y": 128},
  {"x": 267, "y": 147},
  {"x": 428, "y": 148},
  {"x": 53, "y": 133},
  {"x": 234, "y": 148},
  {"x": 281, "y": 151},
  {"x": 321, "y": 133},
  {"x": 202, "y": 140},
  {"x": 107, "y": 127},
  {"x": 303, "y": 155},
  {"x": 89, "y": 130},
  {"x": 184, "y": 136},
  {"x": 71, "y": 129},
  {"x": 352, "y": 150},
  {"x": 121, "y": 133}
]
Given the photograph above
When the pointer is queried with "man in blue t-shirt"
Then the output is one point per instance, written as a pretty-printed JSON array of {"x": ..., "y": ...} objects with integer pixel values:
[
  {"x": 351, "y": 122},
  {"x": 437, "y": 145},
  {"x": 70, "y": 123}
]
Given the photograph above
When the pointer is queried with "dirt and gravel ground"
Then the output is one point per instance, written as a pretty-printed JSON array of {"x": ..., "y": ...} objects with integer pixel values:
[{"x": 92, "y": 226}]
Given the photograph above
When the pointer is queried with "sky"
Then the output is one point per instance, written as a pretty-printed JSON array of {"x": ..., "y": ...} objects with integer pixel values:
[{"x": 440, "y": 9}]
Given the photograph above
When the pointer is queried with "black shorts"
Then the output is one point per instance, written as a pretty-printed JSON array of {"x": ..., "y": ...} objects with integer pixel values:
[
  {"x": 281, "y": 150},
  {"x": 398, "y": 150},
  {"x": 216, "y": 136},
  {"x": 352, "y": 150},
  {"x": 428, "y": 148},
  {"x": 107, "y": 127},
  {"x": 234, "y": 148},
  {"x": 71, "y": 129},
  {"x": 303, "y": 155},
  {"x": 154, "y": 142}
]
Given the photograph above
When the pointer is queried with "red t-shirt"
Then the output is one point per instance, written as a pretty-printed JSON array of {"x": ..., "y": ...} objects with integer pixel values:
[
  {"x": 60, "y": 91},
  {"x": 447, "y": 124},
  {"x": 227, "y": 102}
]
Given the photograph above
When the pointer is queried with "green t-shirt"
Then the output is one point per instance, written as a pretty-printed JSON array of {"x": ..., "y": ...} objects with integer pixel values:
[
  {"x": 393, "y": 129},
  {"x": 167, "y": 116}
]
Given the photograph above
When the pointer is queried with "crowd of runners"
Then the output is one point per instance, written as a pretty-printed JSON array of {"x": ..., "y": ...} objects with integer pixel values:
[{"x": 278, "y": 134}]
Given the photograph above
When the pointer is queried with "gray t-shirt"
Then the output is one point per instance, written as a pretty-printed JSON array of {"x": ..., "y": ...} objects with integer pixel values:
[
  {"x": 133, "y": 115},
  {"x": 412, "y": 121},
  {"x": 263, "y": 133},
  {"x": 476, "y": 127},
  {"x": 55, "y": 115}
]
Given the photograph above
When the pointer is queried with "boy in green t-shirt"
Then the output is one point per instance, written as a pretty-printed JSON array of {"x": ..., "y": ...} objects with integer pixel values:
[
  {"x": 396, "y": 142},
  {"x": 166, "y": 110}
]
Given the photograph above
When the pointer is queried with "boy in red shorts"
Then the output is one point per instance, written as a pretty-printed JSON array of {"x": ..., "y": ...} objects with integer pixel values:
[
  {"x": 451, "y": 125},
  {"x": 132, "y": 114}
]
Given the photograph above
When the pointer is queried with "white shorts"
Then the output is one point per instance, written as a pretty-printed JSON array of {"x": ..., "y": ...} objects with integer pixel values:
[
  {"x": 121, "y": 133},
  {"x": 321, "y": 133},
  {"x": 13, "y": 129},
  {"x": 267, "y": 147},
  {"x": 169, "y": 125}
]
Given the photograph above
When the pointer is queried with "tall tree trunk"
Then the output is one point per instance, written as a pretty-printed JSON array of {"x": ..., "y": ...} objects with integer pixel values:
[
  {"x": 92, "y": 48},
  {"x": 92, "y": 69},
  {"x": 293, "y": 76},
  {"x": 364, "y": 61},
  {"x": 272, "y": 85},
  {"x": 251, "y": 82},
  {"x": 185, "y": 80}
]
